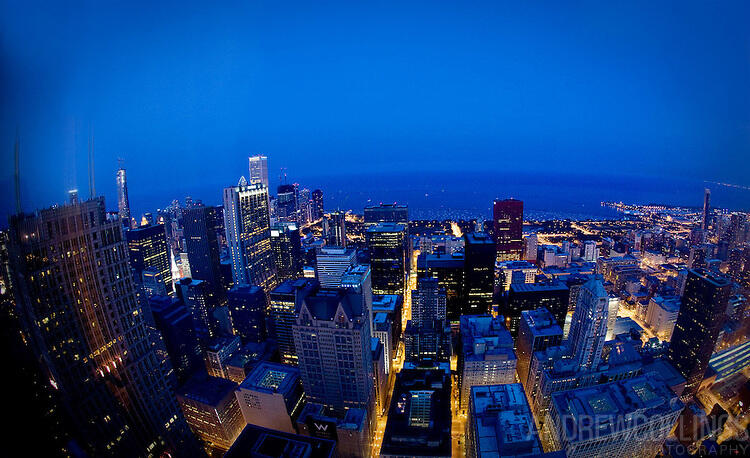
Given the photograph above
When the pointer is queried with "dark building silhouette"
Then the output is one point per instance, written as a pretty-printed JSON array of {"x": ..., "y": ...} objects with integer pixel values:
[
  {"x": 247, "y": 309},
  {"x": 147, "y": 246},
  {"x": 386, "y": 213},
  {"x": 701, "y": 317},
  {"x": 79, "y": 309},
  {"x": 286, "y": 246},
  {"x": 479, "y": 273},
  {"x": 337, "y": 229},
  {"x": 554, "y": 296},
  {"x": 286, "y": 201},
  {"x": 508, "y": 229},
  {"x": 199, "y": 229},
  {"x": 175, "y": 324},
  {"x": 386, "y": 247},
  {"x": 317, "y": 202},
  {"x": 449, "y": 270}
]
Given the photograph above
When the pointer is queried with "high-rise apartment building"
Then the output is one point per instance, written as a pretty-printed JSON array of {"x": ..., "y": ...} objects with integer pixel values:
[
  {"x": 588, "y": 329},
  {"x": 78, "y": 307},
  {"x": 332, "y": 342},
  {"x": 247, "y": 225},
  {"x": 508, "y": 229},
  {"x": 701, "y": 316},
  {"x": 387, "y": 250},
  {"x": 486, "y": 357},
  {"x": 147, "y": 246},
  {"x": 258, "y": 168}
]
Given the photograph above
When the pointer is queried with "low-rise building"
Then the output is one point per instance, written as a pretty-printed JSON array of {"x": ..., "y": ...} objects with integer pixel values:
[{"x": 212, "y": 411}]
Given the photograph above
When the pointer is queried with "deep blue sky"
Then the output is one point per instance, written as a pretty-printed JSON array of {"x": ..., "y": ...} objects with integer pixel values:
[{"x": 183, "y": 93}]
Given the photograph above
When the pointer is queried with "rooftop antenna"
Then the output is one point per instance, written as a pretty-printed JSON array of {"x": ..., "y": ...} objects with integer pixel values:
[
  {"x": 18, "y": 173},
  {"x": 120, "y": 162},
  {"x": 92, "y": 184}
]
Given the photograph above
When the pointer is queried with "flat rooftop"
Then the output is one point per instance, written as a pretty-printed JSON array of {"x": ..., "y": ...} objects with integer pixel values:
[
  {"x": 270, "y": 377},
  {"x": 502, "y": 421},
  {"x": 613, "y": 406}
]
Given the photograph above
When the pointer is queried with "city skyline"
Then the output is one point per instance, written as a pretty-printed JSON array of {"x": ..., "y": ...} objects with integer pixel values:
[{"x": 354, "y": 231}]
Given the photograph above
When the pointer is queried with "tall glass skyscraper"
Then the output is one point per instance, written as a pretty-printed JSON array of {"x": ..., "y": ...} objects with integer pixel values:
[
  {"x": 508, "y": 229},
  {"x": 123, "y": 203},
  {"x": 199, "y": 229},
  {"x": 258, "y": 168},
  {"x": 247, "y": 225},
  {"x": 386, "y": 246},
  {"x": 80, "y": 312},
  {"x": 701, "y": 317},
  {"x": 148, "y": 249}
]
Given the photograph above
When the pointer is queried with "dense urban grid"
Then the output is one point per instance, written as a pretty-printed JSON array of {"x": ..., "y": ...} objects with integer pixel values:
[{"x": 271, "y": 325}]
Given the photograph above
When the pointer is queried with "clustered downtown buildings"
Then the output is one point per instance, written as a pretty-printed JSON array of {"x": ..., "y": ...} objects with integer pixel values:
[{"x": 269, "y": 324}]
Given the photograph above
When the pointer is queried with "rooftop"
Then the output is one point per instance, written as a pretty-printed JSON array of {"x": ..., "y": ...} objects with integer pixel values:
[
  {"x": 541, "y": 322},
  {"x": 207, "y": 390},
  {"x": 388, "y": 227},
  {"x": 484, "y": 337},
  {"x": 503, "y": 422},
  {"x": 270, "y": 377},
  {"x": 613, "y": 406},
  {"x": 261, "y": 442}
]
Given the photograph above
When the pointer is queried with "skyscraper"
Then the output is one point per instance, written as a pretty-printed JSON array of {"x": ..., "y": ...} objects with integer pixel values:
[
  {"x": 386, "y": 246},
  {"x": 123, "y": 203},
  {"x": 479, "y": 273},
  {"x": 331, "y": 263},
  {"x": 259, "y": 170},
  {"x": 337, "y": 229},
  {"x": 247, "y": 225},
  {"x": 317, "y": 203},
  {"x": 508, "y": 229},
  {"x": 705, "y": 222},
  {"x": 538, "y": 331},
  {"x": 386, "y": 213},
  {"x": 589, "y": 326},
  {"x": 148, "y": 248},
  {"x": 427, "y": 335},
  {"x": 247, "y": 309},
  {"x": 332, "y": 341},
  {"x": 486, "y": 356},
  {"x": 285, "y": 301},
  {"x": 200, "y": 229},
  {"x": 701, "y": 317},
  {"x": 286, "y": 201},
  {"x": 78, "y": 305},
  {"x": 287, "y": 251}
]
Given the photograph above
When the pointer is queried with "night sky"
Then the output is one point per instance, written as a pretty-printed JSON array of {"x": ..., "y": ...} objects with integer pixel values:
[{"x": 183, "y": 93}]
